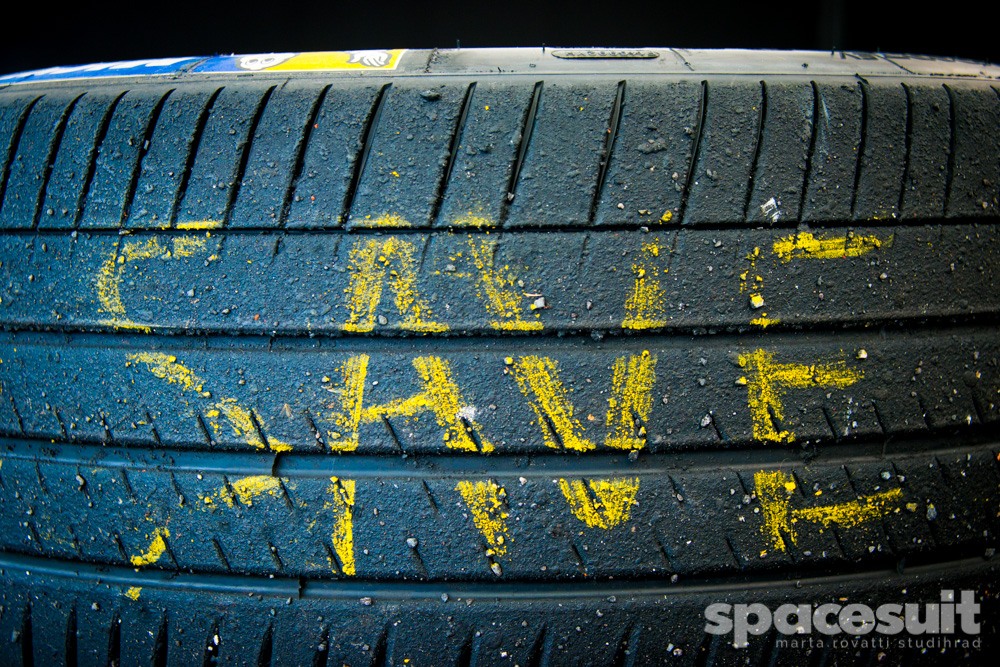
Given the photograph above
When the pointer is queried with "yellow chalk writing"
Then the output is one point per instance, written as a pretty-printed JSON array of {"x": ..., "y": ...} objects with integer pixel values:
[
  {"x": 631, "y": 400},
  {"x": 382, "y": 220},
  {"x": 442, "y": 397},
  {"x": 247, "y": 488},
  {"x": 351, "y": 392},
  {"x": 629, "y": 405},
  {"x": 157, "y": 547},
  {"x": 767, "y": 381},
  {"x": 200, "y": 224},
  {"x": 538, "y": 379},
  {"x": 341, "y": 493},
  {"x": 485, "y": 502},
  {"x": 496, "y": 290},
  {"x": 645, "y": 307},
  {"x": 167, "y": 368},
  {"x": 608, "y": 506},
  {"x": 370, "y": 261},
  {"x": 109, "y": 275},
  {"x": 472, "y": 219},
  {"x": 774, "y": 490},
  {"x": 188, "y": 246},
  {"x": 823, "y": 246}
]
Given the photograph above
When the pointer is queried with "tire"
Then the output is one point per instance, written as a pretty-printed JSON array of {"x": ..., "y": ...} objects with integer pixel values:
[{"x": 510, "y": 357}]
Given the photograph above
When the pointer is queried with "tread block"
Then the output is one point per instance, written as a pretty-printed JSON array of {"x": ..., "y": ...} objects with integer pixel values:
[
  {"x": 329, "y": 160},
  {"x": 231, "y": 399},
  {"x": 484, "y": 283},
  {"x": 836, "y": 137},
  {"x": 216, "y": 168},
  {"x": 164, "y": 166},
  {"x": 410, "y": 145},
  {"x": 476, "y": 193},
  {"x": 975, "y": 177},
  {"x": 925, "y": 181},
  {"x": 273, "y": 156},
  {"x": 726, "y": 153},
  {"x": 28, "y": 170},
  {"x": 884, "y": 156},
  {"x": 118, "y": 159},
  {"x": 558, "y": 523},
  {"x": 73, "y": 166},
  {"x": 655, "y": 141},
  {"x": 559, "y": 175},
  {"x": 783, "y": 153}
]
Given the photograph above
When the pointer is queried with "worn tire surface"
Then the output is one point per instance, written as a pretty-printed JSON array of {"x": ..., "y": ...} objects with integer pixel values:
[{"x": 520, "y": 357}]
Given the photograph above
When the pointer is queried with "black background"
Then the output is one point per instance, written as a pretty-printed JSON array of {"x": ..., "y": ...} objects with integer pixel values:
[{"x": 46, "y": 34}]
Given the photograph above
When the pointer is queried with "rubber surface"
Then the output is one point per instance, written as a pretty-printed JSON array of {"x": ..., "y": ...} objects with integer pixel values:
[{"x": 517, "y": 357}]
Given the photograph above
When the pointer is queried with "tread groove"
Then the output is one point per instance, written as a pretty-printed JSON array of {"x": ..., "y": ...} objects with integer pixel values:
[
  {"x": 300, "y": 155},
  {"x": 732, "y": 551},
  {"x": 221, "y": 555},
  {"x": 27, "y": 640},
  {"x": 861, "y": 147},
  {"x": 147, "y": 137},
  {"x": 71, "y": 643},
  {"x": 244, "y": 150},
  {"x": 830, "y": 424},
  {"x": 758, "y": 142},
  {"x": 177, "y": 489},
  {"x": 266, "y": 648},
  {"x": 465, "y": 651},
  {"x": 382, "y": 650},
  {"x": 51, "y": 159},
  {"x": 257, "y": 427},
  {"x": 311, "y": 423},
  {"x": 95, "y": 150},
  {"x": 116, "y": 538},
  {"x": 322, "y": 648},
  {"x": 212, "y": 645},
  {"x": 361, "y": 157},
  {"x": 695, "y": 151},
  {"x": 160, "y": 647},
  {"x": 707, "y": 650},
  {"x": 392, "y": 434},
  {"x": 527, "y": 129},
  {"x": 813, "y": 130},
  {"x": 17, "y": 414},
  {"x": 456, "y": 142},
  {"x": 115, "y": 641},
  {"x": 152, "y": 429},
  {"x": 15, "y": 141},
  {"x": 611, "y": 137},
  {"x": 331, "y": 555},
  {"x": 625, "y": 654},
  {"x": 541, "y": 648},
  {"x": 199, "y": 131}
]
